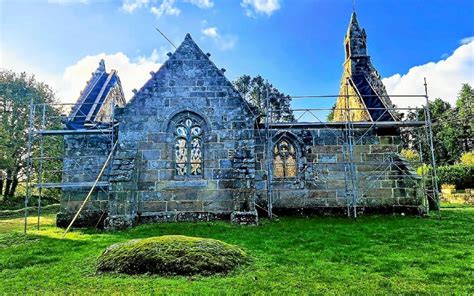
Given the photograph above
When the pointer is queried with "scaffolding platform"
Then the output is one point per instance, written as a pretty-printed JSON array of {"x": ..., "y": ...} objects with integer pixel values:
[
  {"x": 73, "y": 132},
  {"x": 72, "y": 185},
  {"x": 354, "y": 124}
]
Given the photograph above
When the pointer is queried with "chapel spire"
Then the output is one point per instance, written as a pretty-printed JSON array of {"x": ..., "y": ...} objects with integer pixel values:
[
  {"x": 361, "y": 89},
  {"x": 355, "y": 40}
]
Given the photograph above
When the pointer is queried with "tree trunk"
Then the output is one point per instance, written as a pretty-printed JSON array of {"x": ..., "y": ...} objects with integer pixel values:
[
  {"x": 8, "y": 184},
  {"x": 13, "y": 187},
  {"x": 1, "y": 186}
]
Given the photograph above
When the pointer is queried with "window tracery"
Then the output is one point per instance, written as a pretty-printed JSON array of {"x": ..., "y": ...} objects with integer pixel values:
[
  {"x": 188, "y": 147},
  {"x": 284, "y": 159}
]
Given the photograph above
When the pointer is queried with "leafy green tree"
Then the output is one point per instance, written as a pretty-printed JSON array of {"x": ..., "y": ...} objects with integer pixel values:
[
  {"x": 464, "y": 114},
  {"x": 17, "y": 91},
  {"x": 452, "y": 128},
  {"x": 330, "y": 116},
  {"x": 258, "y": 92}
]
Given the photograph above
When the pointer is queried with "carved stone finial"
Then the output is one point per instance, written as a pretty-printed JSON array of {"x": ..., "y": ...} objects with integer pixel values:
[
  {"x": 208, "y": 55},
  {"x": 223, "y": 70},
  {"x": 152, "y": 73},
  {"x": 169, "y": 54},
  {"x": 101, "y": 67},
  {"x": 134, "y": 91}
]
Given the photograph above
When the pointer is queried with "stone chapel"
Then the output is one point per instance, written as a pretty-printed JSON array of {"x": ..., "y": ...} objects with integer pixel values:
[{"x": 188, "y": 147}]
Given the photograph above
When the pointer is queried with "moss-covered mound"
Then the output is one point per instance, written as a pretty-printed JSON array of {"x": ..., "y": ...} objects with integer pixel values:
[{"x": 171, "y": 255}]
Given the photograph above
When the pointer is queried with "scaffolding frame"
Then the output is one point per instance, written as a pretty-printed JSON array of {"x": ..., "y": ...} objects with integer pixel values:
[
  {"x": 37, "y": 134},
  {"x": 269, "y": 128},
  {"x": 353, "y": 192}
]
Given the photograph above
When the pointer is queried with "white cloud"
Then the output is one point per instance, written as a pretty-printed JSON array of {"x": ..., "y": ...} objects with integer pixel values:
[
  {"x": 253, "y": 7},
  {"x": 444, "y": 78},
  {"x": 166, "y": 7},
  {"x": 68, "y": 85},
  {"x": 467, "y": 40},
  {"x": 131, "y": 5},
  {"x": 224, "y": 42},
  {"x": 210, "y": 32},
  {"x": 201, "y": 3}
]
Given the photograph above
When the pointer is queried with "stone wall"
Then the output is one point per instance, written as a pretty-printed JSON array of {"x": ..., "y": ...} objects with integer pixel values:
[
  {"x": 148, "y": 188},
  {"x": 385, "y": 182},
  {"x": 84, "y": 156}
]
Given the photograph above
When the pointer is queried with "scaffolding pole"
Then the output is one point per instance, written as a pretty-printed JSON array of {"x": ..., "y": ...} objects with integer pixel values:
[
  {"x": 269, "y": 146},
  {"x": 29, "y": 164},
  {"x": 432, "y": 149},
  {"x": 40, "y": 176}
]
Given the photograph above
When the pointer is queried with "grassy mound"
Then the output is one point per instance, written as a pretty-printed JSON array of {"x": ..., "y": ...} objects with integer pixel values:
[{"x": 171, "y": 255}]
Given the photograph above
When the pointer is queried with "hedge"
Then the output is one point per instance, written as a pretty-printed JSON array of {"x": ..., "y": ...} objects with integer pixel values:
[{"x": 460, "y": 175}]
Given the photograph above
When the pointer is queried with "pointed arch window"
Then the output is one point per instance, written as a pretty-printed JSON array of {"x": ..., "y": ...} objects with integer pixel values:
[
  {"x": 188, "y": 147},
  {"x": 284, "y": 159}
]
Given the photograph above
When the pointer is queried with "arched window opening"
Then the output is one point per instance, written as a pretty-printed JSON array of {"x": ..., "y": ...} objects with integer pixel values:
[
  {"x": 284, "y": 160},
  {"x": 188, "y": 147}
]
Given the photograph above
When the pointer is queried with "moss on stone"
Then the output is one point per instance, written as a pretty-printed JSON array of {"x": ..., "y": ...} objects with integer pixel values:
[{"x": 171, "y": 255}]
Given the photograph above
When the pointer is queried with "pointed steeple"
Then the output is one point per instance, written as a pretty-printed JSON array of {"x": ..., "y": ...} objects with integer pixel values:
[
  {"x": 353, "y": 24},
  {"x": 355, "y": 41},
  {"x": 361, "y": 81}
]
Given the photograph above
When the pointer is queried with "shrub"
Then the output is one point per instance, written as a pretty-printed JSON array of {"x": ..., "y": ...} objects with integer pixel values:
[
  {"x": 460, "y": 175},
  {"x": 448, "y": 186},
  {"x": 171, "y": 255},
  {"x": 410, "y": 155},
  {"x": 423, "y": 170},
  {"x": 467, "y": 158}
]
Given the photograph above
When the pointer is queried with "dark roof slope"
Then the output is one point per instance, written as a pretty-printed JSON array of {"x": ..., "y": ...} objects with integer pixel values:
[
  {"x": 93, "y": 97},
  {"x": 374, "y": 104}
]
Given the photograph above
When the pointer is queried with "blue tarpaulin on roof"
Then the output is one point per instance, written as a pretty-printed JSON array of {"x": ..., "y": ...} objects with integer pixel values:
[{"x": 376, "y": 108}]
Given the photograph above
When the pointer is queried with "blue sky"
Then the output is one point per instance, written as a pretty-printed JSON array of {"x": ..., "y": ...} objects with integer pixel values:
[{"x": 296, "y": 45}]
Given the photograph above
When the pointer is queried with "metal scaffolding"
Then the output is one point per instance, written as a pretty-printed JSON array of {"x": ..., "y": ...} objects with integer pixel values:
[
  {"x": 306, "y": 119},
  {"x": 311, "y": 119},
  {"x": 37, "y": 132}
]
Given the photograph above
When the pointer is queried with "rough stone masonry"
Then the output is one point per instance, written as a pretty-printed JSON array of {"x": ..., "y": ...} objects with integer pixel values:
[{"x": 189, "y": 148}]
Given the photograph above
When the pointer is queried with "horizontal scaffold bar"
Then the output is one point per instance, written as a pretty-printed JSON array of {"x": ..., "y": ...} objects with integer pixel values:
[
  {"x": 71, "y": 185},
  {"x": 358, "y": 124},
  {"x": 73, "y": 132}
]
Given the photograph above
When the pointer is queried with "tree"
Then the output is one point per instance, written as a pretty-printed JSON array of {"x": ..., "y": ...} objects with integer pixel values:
[
  {"x": 465, "y": 112},
  {"x": 257, "y": 92},
  {"x": 17, "y": 91},
  {"x": 452, "y": 128},
  {"x": 330, "y": 116}
]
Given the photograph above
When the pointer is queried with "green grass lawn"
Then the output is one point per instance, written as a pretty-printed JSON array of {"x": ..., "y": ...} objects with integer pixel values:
[{"x": 319, "y": 255}]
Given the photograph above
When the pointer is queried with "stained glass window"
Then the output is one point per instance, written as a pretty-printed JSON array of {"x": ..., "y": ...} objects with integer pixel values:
[
  {"x": 188, "y": 148},
  {"x": 284, "y": 160}
]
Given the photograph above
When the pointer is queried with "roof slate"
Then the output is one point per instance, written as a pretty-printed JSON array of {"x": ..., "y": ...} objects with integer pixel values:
[{"x": 93, "y": 97}]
